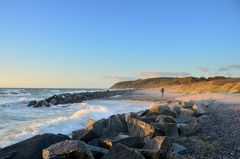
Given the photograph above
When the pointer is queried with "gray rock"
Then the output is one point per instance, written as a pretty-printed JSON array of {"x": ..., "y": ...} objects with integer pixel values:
[
  {"x": 162, "y": 143},
  {"x": 179, "y": 149},
  {"x": 68, "y": 149},
  {"x": 188, "y": 104},
  {"x": 31, "y": 148},
  {"x": 84, "y": 135},
  {"x": 187, "y": 129},
  {"x": 32, "y": 103},
  {"x": 162, "y": 110},
  {"x": 139, "y": 128},
  {"x": 97, "y": 152},
  {"x": 165, "y": 119},
  {"x": 152, "y": 154},
  {"x": 168, "y": 129},
  {"x": 120, "y": 151},
  {"x": 131, "y": 142},
  {"x": 198, "y": 110}
]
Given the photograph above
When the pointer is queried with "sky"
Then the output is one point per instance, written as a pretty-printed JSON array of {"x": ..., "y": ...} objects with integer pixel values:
[{"x": 94, "y": 43}]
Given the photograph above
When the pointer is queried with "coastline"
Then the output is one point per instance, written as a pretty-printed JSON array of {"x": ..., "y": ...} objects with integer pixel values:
[{"x": 204, "y": 123}]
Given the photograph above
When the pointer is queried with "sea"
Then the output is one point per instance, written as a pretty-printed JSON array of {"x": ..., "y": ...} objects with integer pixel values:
[{"x": 19, "y": 122}]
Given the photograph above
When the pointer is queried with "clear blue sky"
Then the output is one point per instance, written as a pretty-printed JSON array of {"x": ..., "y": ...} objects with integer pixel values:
[{"x": 93, "y": 43}]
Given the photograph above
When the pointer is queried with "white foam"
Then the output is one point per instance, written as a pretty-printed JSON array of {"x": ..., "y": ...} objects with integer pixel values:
[{"x": 59, "y": 119}]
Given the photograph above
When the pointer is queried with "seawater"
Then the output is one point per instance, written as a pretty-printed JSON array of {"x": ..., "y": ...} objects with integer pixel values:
[{"x": 19, "y": 122}]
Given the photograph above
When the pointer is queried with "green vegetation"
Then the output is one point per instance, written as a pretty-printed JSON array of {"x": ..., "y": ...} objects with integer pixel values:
[{"x": 187, "y": 84}]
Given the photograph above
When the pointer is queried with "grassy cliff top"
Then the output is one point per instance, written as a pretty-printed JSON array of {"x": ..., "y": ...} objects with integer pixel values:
[{"x": 186, "y": 84}]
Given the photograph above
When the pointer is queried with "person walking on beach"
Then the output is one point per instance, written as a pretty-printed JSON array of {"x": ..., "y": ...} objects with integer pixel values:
[{"x": 162, "y": 91}]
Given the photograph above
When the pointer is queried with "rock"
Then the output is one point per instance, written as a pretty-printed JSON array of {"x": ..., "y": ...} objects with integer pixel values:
[
  {"x": 89, "y": 124},
  {"x": 188, "y": 104},
  {"x": 168, "y": 129},
  {"x": 176, "y": 109},
  {"x": 103, "y": 143},
  {"x": 198, "y": 110},
  {"x": 162, "y": 143},
  {"x": 120, "y": 151},
  {"x": 152, "y": 154},
  {"x": 84, "y": 135},
  {"x": 202, "y": 119},
  {"x": 175, "y": 155},
  {"x": 139, "y": 128},
  {"x": 97, "y": 151},
  {"x": 31, "y": 148},
  {"x": 184, "y": 118},
  {"x": 179, "y": 149},
  {"x": 186, "y": 111},
  {"x": 165, "y": 119},
  {"x": 131, "y": 142},
  {"x": 116, "y": 124},
  {"x": 162, "y": 110},
  {"x": 99, "y": 127},
  {"x": 32, "y": 103},
  {"x": 144, "y": 113},
  {"x": 75, "y": 98},
  {"x": 68, "y": 149},
  {"x": 187, "y": 129}
]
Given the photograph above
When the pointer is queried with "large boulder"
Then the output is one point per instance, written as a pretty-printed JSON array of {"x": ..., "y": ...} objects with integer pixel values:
[
  {"x": 114, "y": 126},
  {"x": 131, "y": 142},
  {"x": 103, "y": 143},
  {"x": 120, "y": 151},
  {"x": 84, "y": 135},
  {"x": 165, "y": 119},
  {"x": 97, "y": 152},
  {"x": 167, "y": 129},
  {"x": 139, "y": 128},
  {"x": 162, "y": 110},
  {"x": 187, "y": 129},
  {"x": 68, "y": 149},
  {"x": 31, "y": 148},
  {"x": 162, "y": 143}
]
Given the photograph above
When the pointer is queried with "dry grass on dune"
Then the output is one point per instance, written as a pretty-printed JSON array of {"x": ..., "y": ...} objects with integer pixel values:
[{"x": 188, "y": 84}]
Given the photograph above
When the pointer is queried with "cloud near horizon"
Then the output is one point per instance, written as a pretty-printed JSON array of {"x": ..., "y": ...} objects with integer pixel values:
[
  {"x": 204, "y": 69},
  {"x": 119, "y": 78},
  {"x": 229, "y": 68}
]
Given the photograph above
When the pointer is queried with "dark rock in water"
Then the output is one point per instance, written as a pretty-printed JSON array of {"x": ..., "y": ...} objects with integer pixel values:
[
  {"x": 75, "y": 98},
  {"x": 139, "y": 128},
  {"x": 84, "y": 135},
  {"x": 32, "y": 103},
  {"x": 31, "y": 148},
  {"x": 120, "y": 151},
  {"x": 68, "y": 149},
  {"x": 131, "y": 142}
]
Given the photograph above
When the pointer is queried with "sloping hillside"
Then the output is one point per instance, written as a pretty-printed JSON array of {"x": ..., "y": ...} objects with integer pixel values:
[{"x": 187, "y": 84}]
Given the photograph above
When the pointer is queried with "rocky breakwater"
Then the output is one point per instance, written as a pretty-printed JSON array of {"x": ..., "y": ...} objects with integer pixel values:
[
  {"x": 68, "y": 98},
  {"x": 150, "y": 134}
]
